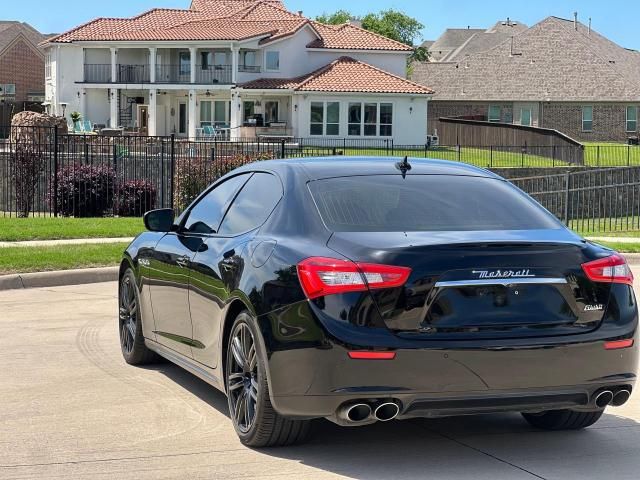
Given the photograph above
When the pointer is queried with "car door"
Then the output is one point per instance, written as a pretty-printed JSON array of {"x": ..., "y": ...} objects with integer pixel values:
[
  {"x": 171, "y": 263},
  {"x": 218, "y": 269}
]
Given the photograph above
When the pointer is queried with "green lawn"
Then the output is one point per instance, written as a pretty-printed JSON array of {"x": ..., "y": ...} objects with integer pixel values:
[
  {"x": 51, "y": 228},
  {"x": 622, "y": 247},
  {"x": 610, "y": 154},
  {"x": 29, "y": 259}
]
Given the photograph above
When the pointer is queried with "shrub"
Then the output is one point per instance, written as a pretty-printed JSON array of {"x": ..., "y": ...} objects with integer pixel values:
[
  {"x": 193, "y": 175},
  {"x": 135, "y": 198},
  {"x": 85, "y": 191}
]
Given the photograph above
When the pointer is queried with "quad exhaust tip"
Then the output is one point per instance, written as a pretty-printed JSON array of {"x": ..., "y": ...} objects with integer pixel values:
[
  {"x": 358, "y": 412},
  {"x": 604, "y": 398},
  {"x": 620, "y": 397},
  {"x": 386, "y": 411}
]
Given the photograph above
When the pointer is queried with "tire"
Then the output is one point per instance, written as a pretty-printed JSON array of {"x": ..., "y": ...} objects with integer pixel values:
[
  {"x": 254, "y": 419},
  {"x": 562, "y": 419},
  {"x": 134, "y": 351}
]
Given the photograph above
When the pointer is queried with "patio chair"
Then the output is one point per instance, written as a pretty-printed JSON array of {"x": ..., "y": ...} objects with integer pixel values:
[
  {"x": 208, "y": 131},
  {"x": 87, "y": 126}
]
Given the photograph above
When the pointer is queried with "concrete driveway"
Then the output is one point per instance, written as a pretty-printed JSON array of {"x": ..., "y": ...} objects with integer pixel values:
[{"x": 71, "y": 408}]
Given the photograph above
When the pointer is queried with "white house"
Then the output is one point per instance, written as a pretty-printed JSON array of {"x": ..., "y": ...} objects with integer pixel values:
[{"x": 247, "y": 67}]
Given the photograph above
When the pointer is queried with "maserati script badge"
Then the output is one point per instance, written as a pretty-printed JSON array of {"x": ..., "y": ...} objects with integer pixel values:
[{"x": 503, "y": 273}]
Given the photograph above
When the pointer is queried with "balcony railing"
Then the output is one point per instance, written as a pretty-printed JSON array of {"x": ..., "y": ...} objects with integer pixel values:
[
  {"x": 213, "y": 74},
  {"x": 165, "y": 74},
  {"x": 97, "y": 73},
  {"x": 124, "y": 73}
]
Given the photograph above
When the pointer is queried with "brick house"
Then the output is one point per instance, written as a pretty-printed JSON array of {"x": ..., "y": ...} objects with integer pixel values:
[
  {"x": 21, "y": 63},
  {"x": 557, "y": 74}
]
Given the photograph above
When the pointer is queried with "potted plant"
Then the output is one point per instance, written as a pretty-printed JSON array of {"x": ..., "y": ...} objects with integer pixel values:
[{"x": 75, "y": 118}]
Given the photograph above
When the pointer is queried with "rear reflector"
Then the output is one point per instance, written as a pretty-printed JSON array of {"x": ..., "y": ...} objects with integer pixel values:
[
  {"x": 372, "y": 355},
  {"x": 613, "y": 269},
  {"x": 321, "y": 276},
  {"x": 618, "y": 344}
]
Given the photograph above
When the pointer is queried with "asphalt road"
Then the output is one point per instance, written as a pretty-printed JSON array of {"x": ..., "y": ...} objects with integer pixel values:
[{"x": 71, "y": 408}]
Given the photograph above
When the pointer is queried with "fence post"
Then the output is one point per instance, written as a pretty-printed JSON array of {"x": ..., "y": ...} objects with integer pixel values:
[
  {"x": 55, "y": 171},
  {"x": 598, "y": 155},
  {"x": 553, "y": 156},
  {"x": 628, "y": 155},
  {"x": 173, "y": 167},
  {"x": 458, "y": 152},
  {"x": 393, "y": 148},
  {"x": 282, "y": 148},
  {"x": 567, "y": 180},
  {"x": 491, "y": 155}
]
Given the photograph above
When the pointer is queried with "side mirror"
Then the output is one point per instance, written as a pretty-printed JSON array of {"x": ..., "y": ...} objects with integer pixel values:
[{"x": 159, "y": 220}]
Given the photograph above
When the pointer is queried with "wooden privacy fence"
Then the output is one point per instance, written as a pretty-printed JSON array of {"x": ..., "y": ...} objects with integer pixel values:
[{"x": 477, "y": 133}]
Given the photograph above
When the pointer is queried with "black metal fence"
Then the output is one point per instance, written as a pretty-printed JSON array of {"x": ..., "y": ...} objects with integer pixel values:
[
  {"x": 590, "y": 201},
  {"x": 44, "y": 172}
]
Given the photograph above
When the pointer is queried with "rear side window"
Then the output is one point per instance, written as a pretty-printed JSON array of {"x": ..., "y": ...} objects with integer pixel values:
[
  {"x": 389, "y": 203},
  {"x": 206, "y": 215},
  {"x": 253, "y": 205}
]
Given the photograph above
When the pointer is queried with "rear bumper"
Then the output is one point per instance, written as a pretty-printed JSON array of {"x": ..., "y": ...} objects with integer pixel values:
[{"x": 315, "y": 382}]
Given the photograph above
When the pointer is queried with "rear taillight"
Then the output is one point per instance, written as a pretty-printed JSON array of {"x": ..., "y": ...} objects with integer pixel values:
[
  {"x": 613, "y": 269},
  {"x": 321, "y": 276}
]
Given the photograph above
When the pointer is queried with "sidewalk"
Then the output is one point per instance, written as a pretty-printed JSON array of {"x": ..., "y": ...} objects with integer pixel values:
[{"x": 75, "y": 241}]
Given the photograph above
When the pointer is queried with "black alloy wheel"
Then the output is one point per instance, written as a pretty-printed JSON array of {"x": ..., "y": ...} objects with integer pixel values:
[{"x": 242, "y": 377}]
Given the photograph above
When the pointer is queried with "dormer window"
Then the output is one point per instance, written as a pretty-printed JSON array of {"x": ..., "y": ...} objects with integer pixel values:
[{"x": 272, "y": 60}]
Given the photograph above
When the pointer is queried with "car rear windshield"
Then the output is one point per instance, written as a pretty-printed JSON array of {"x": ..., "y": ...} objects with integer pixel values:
[{"x": 390, "y": 203}]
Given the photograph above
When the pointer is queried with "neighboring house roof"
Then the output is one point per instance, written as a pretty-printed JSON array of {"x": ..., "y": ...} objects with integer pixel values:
[
  {"x": 10, "y": 30},
  {"x": 226, "y": 20},
  {"x": 551, "y": 61},
  {"x": 342, "y": 75},
  {"x": 450, "y": 40}
]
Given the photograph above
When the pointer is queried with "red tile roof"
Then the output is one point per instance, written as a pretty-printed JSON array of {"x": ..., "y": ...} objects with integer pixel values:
[
  {"x": 226, "y": 20},
  {"x": 344, "y": 75},
  {"x": 349, "y": 36}
]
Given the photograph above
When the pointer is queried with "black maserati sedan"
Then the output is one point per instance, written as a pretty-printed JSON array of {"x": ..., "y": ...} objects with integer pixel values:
[{"x": 364, "y": 290}]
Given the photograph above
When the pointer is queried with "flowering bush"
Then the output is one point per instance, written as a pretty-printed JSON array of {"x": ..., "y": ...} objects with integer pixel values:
[
  {"x": 85, "y": 191},
  {"x": 135, "y": 198},
  {"x": 29, "y": 163}
]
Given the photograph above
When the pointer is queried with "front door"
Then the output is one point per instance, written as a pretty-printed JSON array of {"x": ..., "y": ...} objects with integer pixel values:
[
  {"x": 182, "y": 118},
  {"x": 169, "y": 286},
  {"x": 143, "y": 119}
]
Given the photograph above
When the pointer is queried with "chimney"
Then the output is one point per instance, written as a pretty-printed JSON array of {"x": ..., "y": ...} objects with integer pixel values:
[
  {"x": 589, "y": 25},
  {"x": 575, "y": 20},
  {"x": 508, "y": 22},
  {"x": 299, "y": 13}
]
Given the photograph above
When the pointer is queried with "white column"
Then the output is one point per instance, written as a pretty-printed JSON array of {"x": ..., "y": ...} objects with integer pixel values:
[
  {"x": 193, "y": 115},
  {"x": 235, "y": 122},
  {"x": 83, "y": 104},
  {"x": 193, "y": 51},
  {"x": 152, "y": 64},
  {"x": 234, "y": 65},
  {"x": 113, "y": 107},
  {"x": 294, "y": 116},
  {"x": 153, "y": 111},
  {"x": 114, "y": 65}
]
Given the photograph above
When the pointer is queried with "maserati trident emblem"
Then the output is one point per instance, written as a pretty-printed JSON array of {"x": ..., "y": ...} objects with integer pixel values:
[{"x": 503, "y": 273}]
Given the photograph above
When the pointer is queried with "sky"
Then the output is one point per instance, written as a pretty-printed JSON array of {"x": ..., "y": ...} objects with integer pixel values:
[{"x": 612, "y": 18}]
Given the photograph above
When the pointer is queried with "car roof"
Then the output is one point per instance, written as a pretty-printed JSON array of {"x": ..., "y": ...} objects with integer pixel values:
[{"x": 316, "y": 168}]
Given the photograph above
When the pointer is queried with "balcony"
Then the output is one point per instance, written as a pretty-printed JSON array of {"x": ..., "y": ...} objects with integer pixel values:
[
  {"x": 125, "y": 74},
  {"x": 205, "y": 75},
  {"x": 249, "y": 68}
]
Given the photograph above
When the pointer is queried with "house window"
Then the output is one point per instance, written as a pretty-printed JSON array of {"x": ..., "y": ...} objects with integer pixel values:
[
  {"x": 386, "y": 119},
  {"x": 525, "y": 117},
  {"x": 271, "y": 111},
  {"x": 325, "y": 118},
  {"x": 494, "y": 113},
  {"x": 219, "y": 59},
  {"x": 355, "y": 119},
  {"x": 205, "y": 60},
  {"x": 220, "y": 112},
  {"x": 272, "y": 60},
  {"x": 632, "y": 119},
  {"x": 248, "y": 61},
  {"x": 47, "y": 65},
  {"x": 587, "y": 119},
  {"x": 249, "y": 110},
  {"x": 8, "y": 90},
  {"x": 370, "y": 119},
  {"x": 205, "y": 113},
  {"x": 185, "y": 63}
]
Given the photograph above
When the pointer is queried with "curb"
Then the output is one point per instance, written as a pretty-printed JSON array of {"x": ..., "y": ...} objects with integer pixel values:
[{"x": 58, "y": 278}]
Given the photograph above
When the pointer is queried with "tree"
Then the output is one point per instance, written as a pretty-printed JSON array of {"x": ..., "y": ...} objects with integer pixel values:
[
  {"x": 390, "y": 23},
  {"x": 336, "y": 18}
]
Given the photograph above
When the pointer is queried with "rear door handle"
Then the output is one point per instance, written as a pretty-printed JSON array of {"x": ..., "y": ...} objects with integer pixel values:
[{"x": 183, "y": 262}]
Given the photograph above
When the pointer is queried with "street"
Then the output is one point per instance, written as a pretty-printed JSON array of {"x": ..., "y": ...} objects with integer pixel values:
[{"x": 71, "y": 408}]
